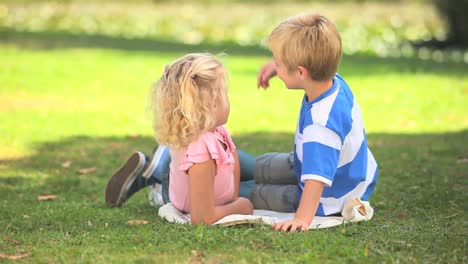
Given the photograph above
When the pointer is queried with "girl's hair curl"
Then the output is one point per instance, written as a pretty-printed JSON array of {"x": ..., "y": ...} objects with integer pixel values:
[{"x": 184, "y": 98}]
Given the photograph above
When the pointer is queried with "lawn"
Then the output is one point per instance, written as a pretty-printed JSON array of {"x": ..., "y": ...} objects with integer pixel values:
[{"x": 70, "y": 102}]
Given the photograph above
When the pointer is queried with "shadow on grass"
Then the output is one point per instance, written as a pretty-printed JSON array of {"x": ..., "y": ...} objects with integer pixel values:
[
  {"x": 352, "y": 64},
  {"x": 420, "y": 199},
  {"x": 414, "y": 166}
]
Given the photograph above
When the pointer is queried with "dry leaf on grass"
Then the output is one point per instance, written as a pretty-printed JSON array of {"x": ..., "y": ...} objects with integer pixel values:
[
  {"x": 401, "y": 215},
  {"x": 137, "y": 222},
  {"x": 67, "y": 164},
  {"x": 13, "y": 257},
  {"x": 134, "y": 136},
  {"x": 11, "y": 241},
  {"x": 197, "y": 254},
  {"x": 46, "y": 197},
  {"x": 87, "y": 170},
  {"x": 113, "y": 146},
  {"x": 461, "y": 160}
]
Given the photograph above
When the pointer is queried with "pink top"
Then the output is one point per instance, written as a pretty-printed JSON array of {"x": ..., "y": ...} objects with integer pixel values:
[{"x": 216, "y": 145}]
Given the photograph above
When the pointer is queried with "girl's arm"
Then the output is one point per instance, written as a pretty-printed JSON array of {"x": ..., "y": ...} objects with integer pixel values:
[
  {"x": 236, "y": 174},
  {"x": 201, "y": 196}
]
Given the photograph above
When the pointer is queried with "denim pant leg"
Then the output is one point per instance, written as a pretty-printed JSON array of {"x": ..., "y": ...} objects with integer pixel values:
[
  {"x": 247, "y": 171},
  {"x": 247, "y": 165},
  {"x": 246, "y": 188},
  {"x": 165, "y": 180}
]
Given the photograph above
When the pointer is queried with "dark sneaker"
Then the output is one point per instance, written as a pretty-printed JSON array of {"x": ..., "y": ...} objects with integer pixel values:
[{"x": 126, "y": 181}]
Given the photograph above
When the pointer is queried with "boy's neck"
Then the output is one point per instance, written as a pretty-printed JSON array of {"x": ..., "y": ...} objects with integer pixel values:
[{"x": 314, "y": 89}]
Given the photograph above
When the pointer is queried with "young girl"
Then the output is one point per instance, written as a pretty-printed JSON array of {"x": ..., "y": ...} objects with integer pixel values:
[
  {"x": 196, "y": 166},
  {"x": 191, "y": 107}
]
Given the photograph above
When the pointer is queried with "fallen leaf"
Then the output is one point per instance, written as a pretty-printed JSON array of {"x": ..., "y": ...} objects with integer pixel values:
[
  {"x": 87, "y": 170},
  {"x": 46, "y": 197},
  {"x": 12, "y": 241},
  {"x": 67, "y": 164},
  {"x": 366, "y": 250},
  {"x": 458, "y": 187},
  {"x": 134, "y": 136},
  {"x": 92, "y": 197},
  {"x": 461, "y": 160},
  {"x": 137, "y": 222},
  {"x": 13, "y": 257},
  {"x": 401, "y": 215},
  {"x": 113, "y": 146},
  {"x": 138, "y": 240},
  {"x": 196, "y": 253}
]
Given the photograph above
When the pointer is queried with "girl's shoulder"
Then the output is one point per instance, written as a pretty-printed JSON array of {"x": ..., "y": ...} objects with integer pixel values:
[
  {"x": 212, "y": 141},
  {"x": 216, "y": 145}
]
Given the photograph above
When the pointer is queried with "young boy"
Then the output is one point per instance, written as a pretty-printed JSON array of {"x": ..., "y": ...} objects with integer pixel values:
[{"x": 332, "y": 162}]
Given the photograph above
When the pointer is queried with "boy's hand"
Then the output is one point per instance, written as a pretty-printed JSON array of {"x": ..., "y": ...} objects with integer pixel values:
[
  {"x": 266, "y": 73},
  {"x": 292, "y": 225}
]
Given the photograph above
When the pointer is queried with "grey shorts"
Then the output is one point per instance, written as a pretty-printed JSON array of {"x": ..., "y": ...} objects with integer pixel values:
[{"x": 276, "y": 184}]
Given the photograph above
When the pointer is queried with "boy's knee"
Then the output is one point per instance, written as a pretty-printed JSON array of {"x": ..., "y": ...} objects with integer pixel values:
[
  {"x": 280, "y": 198},
  {"x": 275, "y": 168}
]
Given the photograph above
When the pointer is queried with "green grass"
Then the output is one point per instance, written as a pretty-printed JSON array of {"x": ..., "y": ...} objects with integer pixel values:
[{"x": 61, "y": 101}]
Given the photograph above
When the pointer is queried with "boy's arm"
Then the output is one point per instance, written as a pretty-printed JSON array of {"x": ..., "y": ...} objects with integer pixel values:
[
  {"x": 236, "y": 174},
  {"x": 267, "y": 71},
  {"x": 307, "y": 207},
  {"x": 201, "y": 196}
]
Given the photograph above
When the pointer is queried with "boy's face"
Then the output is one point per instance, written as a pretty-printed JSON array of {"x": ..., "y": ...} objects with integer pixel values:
[{"x": 290, "y": 78}]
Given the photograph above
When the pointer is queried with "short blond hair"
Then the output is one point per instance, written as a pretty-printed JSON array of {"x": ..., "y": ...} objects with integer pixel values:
[
  {"x": 183, "y": 99},
  {"x": 308, "y": 40}
]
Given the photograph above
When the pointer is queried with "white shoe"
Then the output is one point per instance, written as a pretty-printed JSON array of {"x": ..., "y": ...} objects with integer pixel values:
[{"x": 155, "y": 195}]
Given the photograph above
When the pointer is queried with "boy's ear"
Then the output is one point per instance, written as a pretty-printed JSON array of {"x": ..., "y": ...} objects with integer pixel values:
[{"x": 303, "y": 72}]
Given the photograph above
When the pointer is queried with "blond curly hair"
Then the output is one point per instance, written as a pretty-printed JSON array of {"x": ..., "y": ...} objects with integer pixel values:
[{"x": 184, "y": 98}]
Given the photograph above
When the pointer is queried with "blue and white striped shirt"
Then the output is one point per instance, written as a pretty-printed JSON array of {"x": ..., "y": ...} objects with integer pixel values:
[{"x": 331, "y": 147}]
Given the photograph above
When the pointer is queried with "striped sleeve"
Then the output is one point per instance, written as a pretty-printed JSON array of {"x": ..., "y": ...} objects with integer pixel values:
[{"x": 320, "y": 154}]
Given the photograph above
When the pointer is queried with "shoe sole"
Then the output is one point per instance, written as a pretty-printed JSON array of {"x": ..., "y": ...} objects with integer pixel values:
[
  {"x": 154, "y": 162},
  {"x": 121, "y": 181}
]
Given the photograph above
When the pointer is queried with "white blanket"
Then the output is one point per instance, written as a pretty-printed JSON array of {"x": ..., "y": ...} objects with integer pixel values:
[{"x": 354, "y": 211}]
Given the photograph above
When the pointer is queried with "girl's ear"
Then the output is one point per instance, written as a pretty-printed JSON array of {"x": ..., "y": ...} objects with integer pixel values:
[{"x": 303, "y": 72}]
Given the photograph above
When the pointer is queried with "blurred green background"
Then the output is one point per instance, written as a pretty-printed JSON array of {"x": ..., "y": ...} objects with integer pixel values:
[
  {"x": 381, "y": 28},
  {"x": 74, "y": 83}
]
